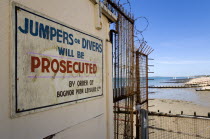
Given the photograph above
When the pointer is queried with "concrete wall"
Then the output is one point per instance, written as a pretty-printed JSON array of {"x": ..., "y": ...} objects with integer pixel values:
[{"x": 90, "y": 119}]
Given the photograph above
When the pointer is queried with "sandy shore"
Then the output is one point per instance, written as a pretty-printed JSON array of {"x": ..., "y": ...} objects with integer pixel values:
[
  {"x": 202, "y": 81},
  {"x": 188, "y": 107},
  {"x": 176, "y": 106},
  {"x": 164, "y": 127}
]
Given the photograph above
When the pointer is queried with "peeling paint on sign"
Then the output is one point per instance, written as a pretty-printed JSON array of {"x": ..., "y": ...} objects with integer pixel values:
[{"x": 55, "y": 64}]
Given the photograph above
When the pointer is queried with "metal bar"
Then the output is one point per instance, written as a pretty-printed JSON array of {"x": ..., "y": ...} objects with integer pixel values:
[
  {"x": 147, "y": 80},
  {"x": 121, "y": 55},
  {"x": 138, "y": 99},
  {"x": 123, "y": 135},
  {"x": 114, "y": 5},
  {"x": 142, "y": 48},
  {"x": 115, "y": 67},
  {"x": 121, "y": 120},
  {"x": 150, "y": 52},
  {"x": 126, "y": 112},
  {"x": 141, "y": 103},
  {"x": 122, "y": 107},
  {"x": 149, "y": 48},
  {"x": 141, "y": 53}
]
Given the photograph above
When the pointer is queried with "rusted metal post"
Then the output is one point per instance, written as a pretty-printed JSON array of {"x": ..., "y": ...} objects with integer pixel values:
[
  {"x": 138, "y": 99},
  {"x": 144, "y": 124}
]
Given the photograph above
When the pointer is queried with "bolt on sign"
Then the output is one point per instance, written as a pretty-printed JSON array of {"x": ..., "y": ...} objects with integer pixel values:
[{"x": 54, "y": 64}]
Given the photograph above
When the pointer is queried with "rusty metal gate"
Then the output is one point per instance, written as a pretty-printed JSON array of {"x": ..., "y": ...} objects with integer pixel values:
[
  {"x": 130, "y": 80},
  {"x": 123, "y": 78},
  {"x": 130, "y": 76},
  {"x": 130, "y": 88},
  {"x": 142, "y": 90}
]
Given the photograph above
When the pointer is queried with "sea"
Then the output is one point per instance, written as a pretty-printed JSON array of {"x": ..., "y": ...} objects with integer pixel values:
[{"x": 185, "y": 94}]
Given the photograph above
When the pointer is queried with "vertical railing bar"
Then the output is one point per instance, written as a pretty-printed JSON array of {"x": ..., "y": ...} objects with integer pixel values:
[
  {"x": 147, "y": 80},
  {"x": 121, "y": 55}
]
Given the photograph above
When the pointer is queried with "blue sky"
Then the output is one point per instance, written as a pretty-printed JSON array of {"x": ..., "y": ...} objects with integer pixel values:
[{"x": 179, "y": 31}]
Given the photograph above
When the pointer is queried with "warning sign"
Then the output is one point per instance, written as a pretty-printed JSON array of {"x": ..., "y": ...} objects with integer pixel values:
[{"x": 55, "y": 64}]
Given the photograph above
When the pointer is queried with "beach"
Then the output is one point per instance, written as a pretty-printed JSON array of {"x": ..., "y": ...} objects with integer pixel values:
[
  {"x": 187, "y": 100},
  {"x": 176, "y": 106}
]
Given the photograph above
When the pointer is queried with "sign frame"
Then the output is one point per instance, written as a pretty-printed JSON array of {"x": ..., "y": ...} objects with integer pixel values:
[{"x": 15, "y": 112}]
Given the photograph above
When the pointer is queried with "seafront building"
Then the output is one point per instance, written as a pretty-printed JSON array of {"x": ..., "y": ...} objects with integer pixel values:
[{"x": 56, "y": 70}]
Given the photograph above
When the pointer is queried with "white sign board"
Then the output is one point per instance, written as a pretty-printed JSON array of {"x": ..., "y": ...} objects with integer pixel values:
[{"x": 54, "y": 64}]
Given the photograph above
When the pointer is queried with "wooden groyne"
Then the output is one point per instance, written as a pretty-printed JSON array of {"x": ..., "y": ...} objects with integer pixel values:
[
  {"x": 186, "y": 86},
  {"x": 202, "y": 89}
]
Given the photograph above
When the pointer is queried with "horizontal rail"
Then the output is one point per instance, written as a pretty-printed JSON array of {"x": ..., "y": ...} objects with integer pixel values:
[
  {"x": 122, "y": 120},
  {"x": 125, "y": 112},
  {"x": 178, "y": 115},
  {"x": 115, "y": 6},
  {"x": 122, "y": 107},
  {"x": 123, "y": 135}
]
